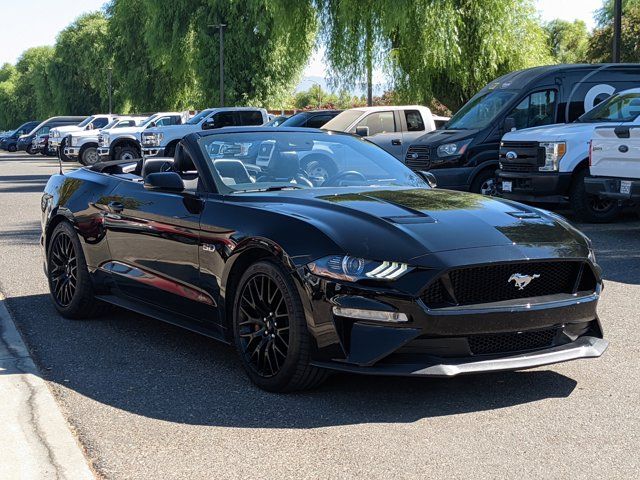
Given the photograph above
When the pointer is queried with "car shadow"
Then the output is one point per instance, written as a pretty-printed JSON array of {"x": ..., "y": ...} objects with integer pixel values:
[
  {"x": 23, "y": 183},
  {"x": 149, "y": 368}
]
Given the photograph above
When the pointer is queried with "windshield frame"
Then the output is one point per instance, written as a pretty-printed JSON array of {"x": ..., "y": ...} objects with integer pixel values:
[
  {"x": 224, "y": 189},
  {"x": 86, "y": 121},
  {"x": 477, "y": 100}
]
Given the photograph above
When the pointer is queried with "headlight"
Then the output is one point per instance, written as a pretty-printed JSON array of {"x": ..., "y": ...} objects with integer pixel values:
[
  {"x": 451, "y": 149},
  {"x": 73, "y": 141},
  {"x": 103, "y": 140},
  {"x": 353, "y": 269},
  {"x": 152, "y": 139},
  {"x": 554, "y": 151}
]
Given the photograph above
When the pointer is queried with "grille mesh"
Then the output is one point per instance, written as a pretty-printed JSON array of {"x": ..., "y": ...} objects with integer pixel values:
[
  {"x": 510, "y": 342},
  {"x": 491, "y": 283},
  {"x": 422, "y": 157}
]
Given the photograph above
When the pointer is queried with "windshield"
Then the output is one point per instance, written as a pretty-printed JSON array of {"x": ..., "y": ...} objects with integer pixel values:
[
  {"x": 86, "y": 121},
  {"x": 618, "y": 108},
  {"x": 257, "y": 161},
  {"x": 480, "y": 111},
  {"x": 195, "y": 120},
  {"x": 342, "y": 121},
  {"x": 112, "y": 123}
]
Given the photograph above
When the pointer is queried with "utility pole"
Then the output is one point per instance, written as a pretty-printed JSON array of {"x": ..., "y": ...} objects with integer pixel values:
[
  {"x": 221, "y": 27},
  {"x": 110, "y": 75},
  {"x": 617, "y": 30}
]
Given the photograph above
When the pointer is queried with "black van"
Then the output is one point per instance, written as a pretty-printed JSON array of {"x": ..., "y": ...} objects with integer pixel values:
[
  {"x": 464, "y": 154},
  {"x": 25, "y": 141},
  {"x": 9, "y": 142}
]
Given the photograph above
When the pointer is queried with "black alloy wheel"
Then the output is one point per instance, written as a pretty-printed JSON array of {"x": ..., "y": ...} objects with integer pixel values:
[
  {"x": 63, "y": 269},
  {"x": 264, "y": 325},
  {"x": 270, "y": 330},
  {"x": 69, "y": 281}
]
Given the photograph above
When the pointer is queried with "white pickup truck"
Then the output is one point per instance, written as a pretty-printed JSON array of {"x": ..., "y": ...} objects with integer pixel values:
[
  {"x": 124, "y": 143},
  {"x": 82, "y": 145},
  {"x": 58, "y": 135},
  {"x": 393, "y": 128},
  {"x": 162, "y": 141},
  {"x": 614, "y": 168},
  {"x": 550, "y": 163}
]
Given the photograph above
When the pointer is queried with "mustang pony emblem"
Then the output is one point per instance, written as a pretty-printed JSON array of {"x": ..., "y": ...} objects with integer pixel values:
[{"x": 521, "y": 281}]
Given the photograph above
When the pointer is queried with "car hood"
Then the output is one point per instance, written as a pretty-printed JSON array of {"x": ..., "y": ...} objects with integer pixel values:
[
  {"x": 439, "y": 137},
  {"x": 122, "y": 131},
  {"x": 67, "y": 129},
  {"x": 561, "y": 131},
  {"x": 416, "y": 222}
]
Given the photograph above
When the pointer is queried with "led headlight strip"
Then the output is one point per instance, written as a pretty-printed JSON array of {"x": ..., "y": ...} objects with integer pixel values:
[{"x": 388, "y": 271}]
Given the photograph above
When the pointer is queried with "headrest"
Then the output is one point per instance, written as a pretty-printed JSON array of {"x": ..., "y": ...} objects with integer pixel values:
[
  {"x": 232, "y": 169},
  {"x": 284, "y": 165},
  {"x": 182, "y": 161}
]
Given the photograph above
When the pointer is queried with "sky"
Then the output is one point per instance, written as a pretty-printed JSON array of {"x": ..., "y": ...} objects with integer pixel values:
[{"x": 41, "y": 20}]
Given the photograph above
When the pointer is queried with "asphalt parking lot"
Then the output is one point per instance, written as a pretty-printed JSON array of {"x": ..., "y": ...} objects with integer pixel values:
[{"x": 148, "y": 400}]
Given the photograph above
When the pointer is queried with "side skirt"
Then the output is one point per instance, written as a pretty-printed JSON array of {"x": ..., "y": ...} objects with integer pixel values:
[{"x": 212, "y": 331}]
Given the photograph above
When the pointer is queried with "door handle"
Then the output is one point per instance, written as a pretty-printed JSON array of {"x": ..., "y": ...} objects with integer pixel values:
[
  {"x": 115, "y": 207},
  {"x": 396, "y": 141}
]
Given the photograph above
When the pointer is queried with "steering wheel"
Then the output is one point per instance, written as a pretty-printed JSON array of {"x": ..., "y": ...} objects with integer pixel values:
[{"x": 333, "y": 181}]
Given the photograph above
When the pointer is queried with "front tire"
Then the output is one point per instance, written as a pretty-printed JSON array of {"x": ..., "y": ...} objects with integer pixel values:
[
  {"x": 591, "y": 208},
  {"x": 485, "y": 183},
  {"x": 12, "y": 148},
  {"x": 89, "y": 156},
  {"x": 69, "y": 282},
  {"x": 60, "y": 152},
  {"x": 127, "y": 153},
  {"x": 270, "y": 330},
  {"x": 31, "y": 150}
]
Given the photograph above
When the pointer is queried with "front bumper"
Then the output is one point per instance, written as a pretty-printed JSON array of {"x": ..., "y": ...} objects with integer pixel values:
[
  {"x": 103, "y": 153},
  {"x": 583, "y": 347},
  {"x": 535, "y": 186},
  {"x": 72, "y": 152},
  {"x": 152, "y": 151},
  {"x": 611, "y": 187}
]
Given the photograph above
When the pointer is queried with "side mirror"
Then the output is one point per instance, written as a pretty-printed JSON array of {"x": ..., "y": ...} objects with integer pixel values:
[
  {"x": 151, "y": 125},
  {"x": 428, "y": 177},
  {"x": 509, "y": 124},
  {"x": 362, "y": 131},
  {"x": 209, "y": 124},
  {"x": 164, "y": 182}
]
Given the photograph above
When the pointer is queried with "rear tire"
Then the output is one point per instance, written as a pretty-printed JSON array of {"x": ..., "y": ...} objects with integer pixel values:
[
  {"x": 70, "y": 285},
  {"x": 270, "y": 330},
  {"x": 591, "y": 208}
]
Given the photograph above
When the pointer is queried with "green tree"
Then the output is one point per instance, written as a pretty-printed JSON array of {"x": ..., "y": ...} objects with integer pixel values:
[
  {"x": 267, "y": 43},
  {"x": 79, "y": 67},
  {"x": 444, "y": 49},
  {"x": 33, "y": 85},
  {"x": 600, "y": 47},
  {"x": 604, "y": 15},
  {"x": 568, "y": 41}
]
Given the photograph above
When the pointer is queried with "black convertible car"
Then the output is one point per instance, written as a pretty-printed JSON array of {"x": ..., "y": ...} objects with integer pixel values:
[{"x": 370, "y": 270}]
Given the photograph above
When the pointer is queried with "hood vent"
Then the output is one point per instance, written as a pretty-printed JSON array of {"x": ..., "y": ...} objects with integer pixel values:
[
  {"x": 410, "y": 219},
  {"x": 521, "y": 215}
]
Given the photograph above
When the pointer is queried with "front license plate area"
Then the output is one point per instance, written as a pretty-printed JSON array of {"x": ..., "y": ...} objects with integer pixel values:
[
  {"x": 507, "y": 186},
  {"x": 625, "y": 187}
]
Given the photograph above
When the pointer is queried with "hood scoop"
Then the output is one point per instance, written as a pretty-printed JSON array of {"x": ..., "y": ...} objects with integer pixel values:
[
  {"x": 410, "y": 219},
  {"x": 520, "y": 215}
]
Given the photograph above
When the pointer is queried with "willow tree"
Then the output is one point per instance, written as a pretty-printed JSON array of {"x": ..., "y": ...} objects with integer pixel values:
[
  {"x": 78, "y": 69},
  {"x": 444, "y": 49},
  {"x": 266, "y": 45},
  {"x": 33, "y": 84}
]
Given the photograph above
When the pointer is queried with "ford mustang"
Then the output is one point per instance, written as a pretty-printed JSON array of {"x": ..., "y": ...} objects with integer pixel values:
[{"x": 368, "y": 269}]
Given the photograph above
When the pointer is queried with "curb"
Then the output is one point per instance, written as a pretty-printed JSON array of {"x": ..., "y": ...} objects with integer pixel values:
[{"x": 35, "y": 439}]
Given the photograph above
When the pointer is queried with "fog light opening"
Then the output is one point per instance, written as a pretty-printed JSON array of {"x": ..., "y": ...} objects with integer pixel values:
[{"x": 377, "y": 315}]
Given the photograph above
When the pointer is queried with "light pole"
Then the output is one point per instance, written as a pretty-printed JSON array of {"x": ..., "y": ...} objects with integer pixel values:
[
  {"x": 110, "y": 74},
  {"x": 617, "y": 30},
  {"x": 221, "y": 27}
]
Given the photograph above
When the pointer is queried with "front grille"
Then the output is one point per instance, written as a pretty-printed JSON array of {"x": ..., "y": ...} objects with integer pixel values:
[
  {"x": 511, "y": 342},
  {"x": 527, "y": 154},
  {"x": 418, "y": 157},
  {"x": 518, "y": 167},
  {"x": 494, "y": 283}
]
